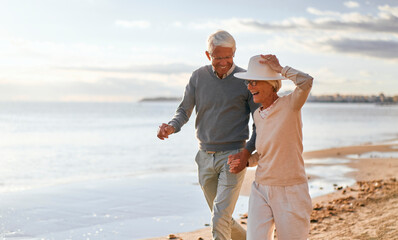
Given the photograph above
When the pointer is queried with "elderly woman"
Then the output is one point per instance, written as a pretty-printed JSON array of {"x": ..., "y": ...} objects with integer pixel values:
[{"x": 279, "y": 195}]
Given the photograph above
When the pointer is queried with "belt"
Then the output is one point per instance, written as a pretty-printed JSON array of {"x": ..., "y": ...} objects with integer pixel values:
[{"x": 210, "y": 152}]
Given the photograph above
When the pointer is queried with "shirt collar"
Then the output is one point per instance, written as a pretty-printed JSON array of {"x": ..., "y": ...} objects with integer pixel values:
[{"x": 227, "y": 74}]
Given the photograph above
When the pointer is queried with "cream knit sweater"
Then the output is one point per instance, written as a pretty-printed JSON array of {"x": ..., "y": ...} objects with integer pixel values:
[{"x": 279, "y": 136}]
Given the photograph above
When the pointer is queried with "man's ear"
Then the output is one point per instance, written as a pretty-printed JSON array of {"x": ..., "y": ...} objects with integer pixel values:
[{"x": 208, "y": 55}]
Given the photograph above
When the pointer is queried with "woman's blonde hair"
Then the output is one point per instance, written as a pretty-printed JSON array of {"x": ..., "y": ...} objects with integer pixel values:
[{"x": 276, "y": 84}]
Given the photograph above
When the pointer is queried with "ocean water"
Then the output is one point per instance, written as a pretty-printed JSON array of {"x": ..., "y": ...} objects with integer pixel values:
[
  {"x": 51, "y": 143},
  {"x": 106, "y": 158}
]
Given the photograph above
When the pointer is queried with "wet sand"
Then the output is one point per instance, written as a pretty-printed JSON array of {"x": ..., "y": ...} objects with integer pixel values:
[{"x": 366, "y": 210}]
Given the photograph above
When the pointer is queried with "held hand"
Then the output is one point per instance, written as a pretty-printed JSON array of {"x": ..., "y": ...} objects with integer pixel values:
[
  {"x": 238, "y": 162},
  {"x": 164, "y": 131},
  {"x": 272, "y": 61}
]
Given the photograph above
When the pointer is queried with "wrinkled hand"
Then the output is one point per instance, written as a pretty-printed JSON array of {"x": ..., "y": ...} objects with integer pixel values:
[
  {"x": 272, "y": 61},
  {"x": 165, "y": 130},
  {"x": 238, "y": 162}
]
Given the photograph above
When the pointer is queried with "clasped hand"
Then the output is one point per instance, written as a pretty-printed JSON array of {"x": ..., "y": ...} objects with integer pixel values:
[{"x": 238, "y": 162}]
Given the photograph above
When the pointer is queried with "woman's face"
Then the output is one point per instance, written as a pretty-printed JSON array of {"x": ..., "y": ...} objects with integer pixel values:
[{"x": 261, "y": 90}]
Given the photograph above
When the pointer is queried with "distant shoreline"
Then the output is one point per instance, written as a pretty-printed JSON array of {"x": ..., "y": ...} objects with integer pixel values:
[
  {"x": 161, "y": 99},
  {"x": 379, "y": 100}
]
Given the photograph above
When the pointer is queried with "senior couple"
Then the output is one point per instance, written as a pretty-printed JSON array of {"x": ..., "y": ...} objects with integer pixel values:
[{"x": 224, "y": 96}]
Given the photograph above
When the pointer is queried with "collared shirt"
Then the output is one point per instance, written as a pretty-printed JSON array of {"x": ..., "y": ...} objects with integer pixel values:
[
  {"x": 227, "y": 74},
  {"x": 222, "y": 110},
  {"x": 264, "y": 112},
  {"x": 279, "y": 139}
]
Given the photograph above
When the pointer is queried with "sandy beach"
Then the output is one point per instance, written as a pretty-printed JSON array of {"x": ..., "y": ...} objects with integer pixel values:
[{"x": 366, "y": 210}]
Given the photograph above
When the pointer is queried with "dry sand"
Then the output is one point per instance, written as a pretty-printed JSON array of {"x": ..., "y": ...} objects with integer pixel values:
[{"x": 367, "y": 210}]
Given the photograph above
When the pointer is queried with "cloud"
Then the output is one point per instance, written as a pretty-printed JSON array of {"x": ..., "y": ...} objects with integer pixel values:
[
  {"x": 233, "y": 24},
  {"x": 374, "y": 48},
  {"x": 348, "y": 33},
  {"x": 172, "y": 68},
  {"x": 329, "y": 81},
  {"x": 351, "y": 4},
  {"x": 317, "y": 12},
  {"x": 142, "y": 24},
  {"x": 111, "y": 89},
  {"x": 177, "y": 24},
  {"x": 387, "y": 10},
  {"x": 385, "y": 22}
]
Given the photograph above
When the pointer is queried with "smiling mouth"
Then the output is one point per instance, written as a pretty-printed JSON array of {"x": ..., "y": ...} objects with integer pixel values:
[{"x": 254, "y": 93}]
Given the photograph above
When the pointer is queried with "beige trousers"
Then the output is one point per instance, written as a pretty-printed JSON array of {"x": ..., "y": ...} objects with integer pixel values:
[
  {"x": 288, "y": 208},
  {"x": 221, "y": 189}
]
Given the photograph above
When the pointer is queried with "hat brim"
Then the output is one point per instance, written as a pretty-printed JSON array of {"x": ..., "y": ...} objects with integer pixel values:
[{"x": 248, "y": 76}]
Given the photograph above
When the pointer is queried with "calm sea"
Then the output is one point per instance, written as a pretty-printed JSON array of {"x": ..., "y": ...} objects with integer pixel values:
[
  {"x": 55, "y": 143},
  {"x": 97, "y": 170}
]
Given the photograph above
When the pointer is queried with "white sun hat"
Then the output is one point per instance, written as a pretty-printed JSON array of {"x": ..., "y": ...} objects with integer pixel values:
[{"x": 259, "y": 71}]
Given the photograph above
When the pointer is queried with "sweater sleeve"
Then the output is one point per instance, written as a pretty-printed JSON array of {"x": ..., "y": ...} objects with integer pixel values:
[
  {"x": 253, "y": 160},
  {"x": 184, "y": 110},
  {"x": 251, "y": 144},
  {"x": 303, "y": 84}
]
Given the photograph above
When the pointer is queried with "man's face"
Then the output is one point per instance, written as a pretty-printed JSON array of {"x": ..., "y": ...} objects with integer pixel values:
[{"x": 222, "y": 59}]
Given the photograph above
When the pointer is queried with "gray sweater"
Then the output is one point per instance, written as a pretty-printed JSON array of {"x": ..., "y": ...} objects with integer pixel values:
[{"x": 223, "y": 108}]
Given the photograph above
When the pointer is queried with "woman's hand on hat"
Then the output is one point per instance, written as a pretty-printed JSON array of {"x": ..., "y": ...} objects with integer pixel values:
[{"x": 272, "y": 61}]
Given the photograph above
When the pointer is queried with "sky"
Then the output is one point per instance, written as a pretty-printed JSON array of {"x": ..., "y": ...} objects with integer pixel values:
[{"x": 119, "y": 50}]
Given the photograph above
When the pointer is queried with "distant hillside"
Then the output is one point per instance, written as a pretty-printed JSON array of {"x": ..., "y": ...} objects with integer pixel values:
[
  {"x": 336, "y": 98},
  {"x": 161, "y": 99}
]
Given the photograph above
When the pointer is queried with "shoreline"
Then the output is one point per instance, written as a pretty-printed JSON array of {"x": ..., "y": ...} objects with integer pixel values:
[{"x": 370, "y": 169}]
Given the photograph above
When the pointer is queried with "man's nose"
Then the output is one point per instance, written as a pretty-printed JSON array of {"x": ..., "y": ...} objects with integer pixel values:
[{"x": 223, "y": 62}]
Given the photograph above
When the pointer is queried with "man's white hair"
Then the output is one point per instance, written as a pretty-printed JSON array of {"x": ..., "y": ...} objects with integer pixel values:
[{"x": 220, "y": 38}]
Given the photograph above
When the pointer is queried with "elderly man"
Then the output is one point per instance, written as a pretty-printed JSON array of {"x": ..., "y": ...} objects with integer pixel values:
[{"x": 223, "y": 107}]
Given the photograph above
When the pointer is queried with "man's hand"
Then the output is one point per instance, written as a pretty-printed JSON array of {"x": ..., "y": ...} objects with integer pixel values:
[
  {"x": 165, "y": 130},
  {"x": 238, "y": 162}
]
